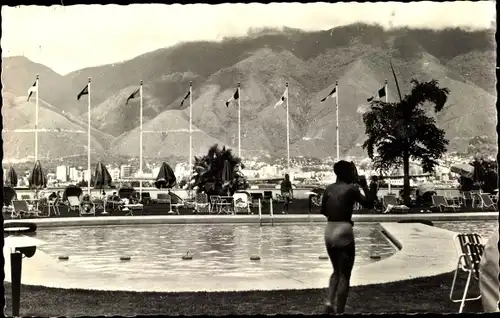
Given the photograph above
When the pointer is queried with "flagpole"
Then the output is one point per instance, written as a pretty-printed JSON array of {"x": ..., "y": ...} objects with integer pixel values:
[
  {"x": 337, "y": 111},
  {"x": 36, "y": 119},
  {"x": 239, "y": 121},
  {"x": 88, "y": 140},
  {"x": 287, "y": 133},
  {"x": 190, "y": 125},
  {"x": 140, "y": 143},
  {"x": 386, "y": 93}
]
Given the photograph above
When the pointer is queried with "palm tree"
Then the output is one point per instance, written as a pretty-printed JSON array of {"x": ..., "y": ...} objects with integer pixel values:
[
  {"x": 208, "y": 172},
  {"x": 403, "y": 130}
]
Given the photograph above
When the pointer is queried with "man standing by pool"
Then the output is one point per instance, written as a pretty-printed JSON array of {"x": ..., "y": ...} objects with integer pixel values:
[
  {"x": 337, "y": 205},
  {"x": 286, "y": 193}
]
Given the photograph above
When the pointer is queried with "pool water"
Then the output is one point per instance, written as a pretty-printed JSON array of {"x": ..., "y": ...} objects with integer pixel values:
[
  {"x": 483, "y": 228},
  {"x": 223, "y": 249}
]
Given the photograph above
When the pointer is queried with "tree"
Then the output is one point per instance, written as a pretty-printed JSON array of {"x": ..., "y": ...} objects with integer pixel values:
[
  {"x": 485, "y": 174},
  {"x": 208, "y": 172},
  {"x": 402, "y": 130}
]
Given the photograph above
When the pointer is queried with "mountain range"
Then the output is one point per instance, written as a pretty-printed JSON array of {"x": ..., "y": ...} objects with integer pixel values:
[{"x": 357, "y": 56}]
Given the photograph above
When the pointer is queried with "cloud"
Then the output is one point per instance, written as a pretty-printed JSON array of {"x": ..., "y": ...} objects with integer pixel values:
[{"x": 69, "y": 38}]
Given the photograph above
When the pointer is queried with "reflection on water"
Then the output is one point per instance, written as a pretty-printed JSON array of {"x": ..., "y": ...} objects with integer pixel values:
[
  {"x": 216, "y": 248},
  {"x": 484, "y": 228}
]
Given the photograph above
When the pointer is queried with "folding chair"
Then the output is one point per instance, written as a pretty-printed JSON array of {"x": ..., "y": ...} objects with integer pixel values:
[
  {"x": 487, "y": 202},
  {"x": 241, "y": 203},
  {"x": 201, "y": 203},
  {"x": 440, "y": 202},
  {"x": 214, "y": 201},
  {"x": 470, "y": 248},
  {"x": 54, "y": 205},
  {"x": 163, "y": 198},
  {"x": 74, "y": 204},
  {"x": 21, "y": 209},
  {"x": 468, "y": 197}
]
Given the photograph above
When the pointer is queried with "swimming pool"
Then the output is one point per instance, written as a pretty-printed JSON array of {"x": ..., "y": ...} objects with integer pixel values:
[
  {"x": 484, "y": 228},
  {"x": 223, "y": 249}
]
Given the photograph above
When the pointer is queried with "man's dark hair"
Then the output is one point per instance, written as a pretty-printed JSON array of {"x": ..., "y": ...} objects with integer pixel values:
[{"x": 344, "y": 170}]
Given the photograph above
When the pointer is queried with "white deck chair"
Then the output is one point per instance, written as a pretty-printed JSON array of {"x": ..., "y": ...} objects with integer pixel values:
[
  {"x": 241, "y": 203},
  {"x": 73, "y": 203},
  {"x": 487, "y": 202},
  {"x": 469, "y": 249},
  {"x": 440, "y": 202},
  {"x": 21, "y": 209},
  {"x": 201, "y": 203}
]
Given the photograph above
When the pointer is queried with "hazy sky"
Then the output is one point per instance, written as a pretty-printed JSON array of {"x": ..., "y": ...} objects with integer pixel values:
[{"x": 73, "y": 37}]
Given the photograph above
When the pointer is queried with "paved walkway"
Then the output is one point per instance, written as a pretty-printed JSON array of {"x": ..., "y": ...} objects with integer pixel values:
[
  {"x": 266, "y": 219},
  {"x": 425, "y": 251}
]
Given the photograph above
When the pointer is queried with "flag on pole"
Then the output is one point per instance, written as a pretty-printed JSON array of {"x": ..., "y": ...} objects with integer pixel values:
[
  {"x": 185, "y": 98},
  {"x": 282, "y": 99},
  {"x": 133, "y": 95},
  {"x": 85, "y": 91},
  {"x": 333, "y": 93},
  {"x": 380, "y": 94},
  {"x": 32, "y": 90},
  {"x": 236, "y": 96}
]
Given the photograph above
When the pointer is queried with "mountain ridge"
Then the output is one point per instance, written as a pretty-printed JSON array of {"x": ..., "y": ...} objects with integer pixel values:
[{"x": 357, "y": 56}]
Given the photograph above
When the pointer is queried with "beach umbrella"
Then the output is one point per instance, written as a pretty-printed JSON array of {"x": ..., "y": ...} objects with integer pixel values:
[
  {"x": 463, "y": 169},
  {"x": 101, "y": 178},
  {"x": 426, "y": 187},
  {"x": 166, "y": 178},
  {"x": 11, "y": 179},
  {"x": 72, "y": 191},
  {"x": 8, "y": 195},
  {"x": 37, "y": 179},
  {"x": 227, "y": 175}
]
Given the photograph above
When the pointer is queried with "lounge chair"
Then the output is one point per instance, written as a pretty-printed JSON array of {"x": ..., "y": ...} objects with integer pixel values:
[
  {"x": 145, "y": 198},
  {"x": 469, "y": 248},
  {"x": 176, "y": 202},
  {"x": 241, "y": 203},
  {"x": 201, "y": 204},
  {"x": 468, "y": 197},
  {"x": 391, "y": 204},
  {"x": 87, "y": 207},
  {"x": 22, "y": 209},
  {"x": 487, "y": 202},
  {"x": 74, "y": 203},
  {"x": 440, "y": 202},
  {"x": 163, "y": 198}
]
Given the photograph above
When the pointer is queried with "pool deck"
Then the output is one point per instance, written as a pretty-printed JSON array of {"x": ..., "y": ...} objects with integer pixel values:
[
  {"x": 266, "y": 219},
  {"x": 424, "y": 251}
]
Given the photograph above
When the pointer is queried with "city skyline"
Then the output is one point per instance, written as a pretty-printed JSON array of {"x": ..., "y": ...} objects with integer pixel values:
[{"x": 35, "y": 32}]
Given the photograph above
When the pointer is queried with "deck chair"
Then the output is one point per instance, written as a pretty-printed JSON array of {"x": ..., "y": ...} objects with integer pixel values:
[
  {"x": 201, "y": 203},
  {"x": 468, "y": 197},
  {"x": 470, "y": 249},
  {"x": 54, "y": 206},
  {"x": 440, "y": 202},
  {"x": 145, "y": 198},
  {"x": 21, "y": 209},
  {"x": 175, "y": 202},
  {"x": 86, "y": 208},
  {"x": 487, "y": 202},
  {"x": 163, "y": 198},
  {"x": 241, "y": 203},
  {"x": 74, "y": 204},
  {"x": 214, "y": 201}
]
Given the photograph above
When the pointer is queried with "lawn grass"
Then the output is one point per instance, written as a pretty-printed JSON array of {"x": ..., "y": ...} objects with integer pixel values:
[{"x": 429, "y": 294}]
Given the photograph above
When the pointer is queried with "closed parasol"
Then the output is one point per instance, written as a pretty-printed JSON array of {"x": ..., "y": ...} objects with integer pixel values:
[
  {"x": 11, "y": 179},
  {"x": 166, "y": 178},
  {"x": 101, "y": 178},
  {"x": 37, "y": 179},
  {"x": 227, "y": 175}
]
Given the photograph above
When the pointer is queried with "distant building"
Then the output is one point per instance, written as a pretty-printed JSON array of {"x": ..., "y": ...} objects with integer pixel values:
[
  {"x": 125, "y": 171},
  {"x": 115, "y": 173},
  {"x": 62, "y": 173},
  {"x": 74, "y": 174}
]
